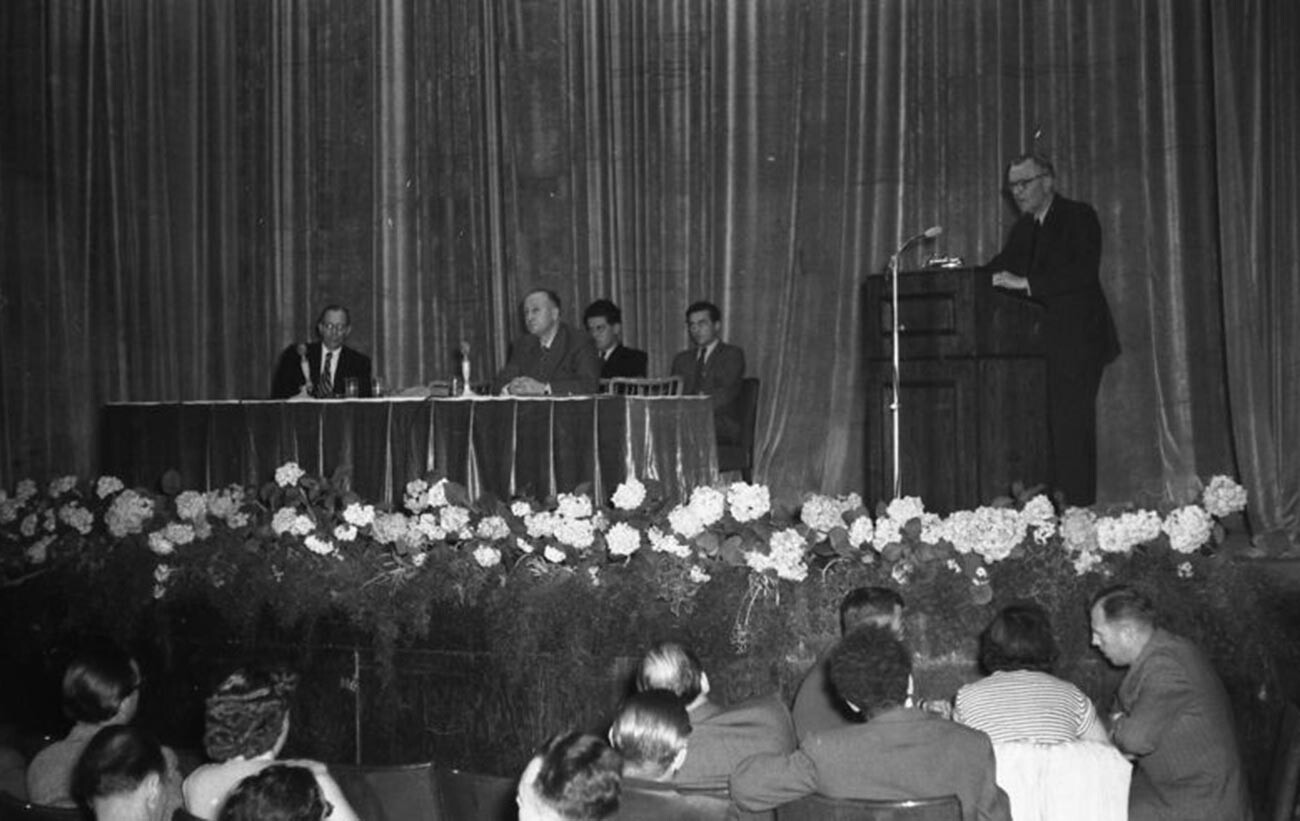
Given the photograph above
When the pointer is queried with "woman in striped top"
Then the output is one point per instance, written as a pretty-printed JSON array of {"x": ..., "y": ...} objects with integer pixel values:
[{"x": 1020, "y": 700}]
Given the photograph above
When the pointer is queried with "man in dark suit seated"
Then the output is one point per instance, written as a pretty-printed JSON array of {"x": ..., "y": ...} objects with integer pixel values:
[
  {"x": 552, "y": 358},
  {"x": 713, "y": 368},
  {"x": 721, "y": 737},
  {"x": 323, "y": 368},
  {"x": 604, "y": 322},
  {"x": 573, "y": 776},
  {"x": 1173, "y": 719},
  {"x": 651, "y": 732},
  {"x": 899, "y": 753}
]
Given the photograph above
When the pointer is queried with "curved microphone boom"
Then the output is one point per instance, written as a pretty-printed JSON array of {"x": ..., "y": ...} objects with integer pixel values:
[{"x": 929, "y": 233}]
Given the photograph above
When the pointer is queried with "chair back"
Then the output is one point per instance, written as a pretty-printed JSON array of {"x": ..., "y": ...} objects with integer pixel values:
[
  {"x": 822, "y": 808},
  {"x": 1284, "y": 780},
  {"x": 639, "y": 802},
  {"x": 389, "y": 793},
  {"x": 1075, "y": 781},
  {"x": 645, "y": 386},
  {"x": 474, "y": 796},
  {"x": 740, "y": 457},
  {"x": 15, "y": 809}
]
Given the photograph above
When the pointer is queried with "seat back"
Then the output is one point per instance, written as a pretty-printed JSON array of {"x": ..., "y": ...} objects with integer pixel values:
[
  {"x": 741, "y": 456},
  {"x": 651, "y": 803},
  {"x": 475, "y": 796},
  {"x": 1284, "y": 780},
  {"x": 645, "y": 386},
  {"x": 390, "y": 793},
  {"x": 15, "y": 809},
  {"x": 1076, "y": 781},
  {"x": 822, "y": 808}
]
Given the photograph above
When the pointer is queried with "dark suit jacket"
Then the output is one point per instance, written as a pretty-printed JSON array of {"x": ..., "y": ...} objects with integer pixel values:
[
  {"x": 1061, "y": 259},
  {"x": 569, "y": 366},
  {"x": 720, "y": 380},
  {"x": 722, "y": 738},
  {"x": 899, "y": 754},
  {"x": 624, "y": 361},
  {"x": 1177, "y": 720},
  {"x": 288, "y": 373},
  {"x": 816, "y": 706}
]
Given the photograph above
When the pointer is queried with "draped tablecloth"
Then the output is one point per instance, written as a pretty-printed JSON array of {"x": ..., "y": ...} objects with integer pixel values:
[{"x": 507, "y": 446}]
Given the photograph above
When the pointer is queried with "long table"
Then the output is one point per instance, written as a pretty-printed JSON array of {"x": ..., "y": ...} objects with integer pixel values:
[{"x": 506, "y": 446}]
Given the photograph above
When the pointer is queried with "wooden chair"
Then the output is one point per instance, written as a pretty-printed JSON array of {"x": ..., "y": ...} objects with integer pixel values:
[
  {"x": 733, "y": 457},
  {"x": 656, "y": 386},
  {"x": 646, "y": 801},
  {"x": 463, "y": 795},
  {"x": 389, "y": 793},
  {"x": 15, "y": 809},
  {"x": 1284, "y": 780},
  {"x": 822, "y": 808}
]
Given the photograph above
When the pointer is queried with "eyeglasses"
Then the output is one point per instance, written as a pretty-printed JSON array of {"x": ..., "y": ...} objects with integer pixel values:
[
  {"x": 334, "y": 326},
  {"x": 1021, "y": 185}
]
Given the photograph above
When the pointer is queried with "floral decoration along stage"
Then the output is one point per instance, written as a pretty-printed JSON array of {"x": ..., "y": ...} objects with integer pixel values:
[{"x": 305, "y": 519}]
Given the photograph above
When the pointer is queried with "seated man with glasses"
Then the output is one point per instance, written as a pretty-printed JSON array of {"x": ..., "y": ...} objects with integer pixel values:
[{"x": 325, "y": 368}]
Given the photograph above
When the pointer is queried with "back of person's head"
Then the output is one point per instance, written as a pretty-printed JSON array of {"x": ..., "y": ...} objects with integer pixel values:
[
  {"x": 247, "y": 715},
  {"x": 871, "y": 669},
  {"x": 715, "y": 313},
  {"x": 99, "y": 680},
  {"x": 605, "y": 309},
  {"x": 650, "y": 732},
  {"x": 574, "y": 777},
  {"x": 1124, "y": 603},
  {"x": 1018, "y": 638},
  {"x": 281, "y": 792},
  {"x": 671, "y": 666},
  {"x": 123, "y": 764},
  {"x": 870, "y": 605}
]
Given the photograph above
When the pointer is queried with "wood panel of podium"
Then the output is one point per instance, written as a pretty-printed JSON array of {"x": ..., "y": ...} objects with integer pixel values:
[{"x": 973, "y": 388}]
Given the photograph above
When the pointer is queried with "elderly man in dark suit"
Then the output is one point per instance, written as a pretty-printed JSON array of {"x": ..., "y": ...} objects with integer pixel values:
[
  {"x": 721, "y": 737},
  {"x": 604, "y": 323},
  {"x": 552, "y": 358},
  {"x": 1052, "y": 256},
  {"x": 324, "y": 368},
  {"x": 899, "y": 753},
  {"x": 713, "y": 368},
  {"x": 1173, "y": 719}
]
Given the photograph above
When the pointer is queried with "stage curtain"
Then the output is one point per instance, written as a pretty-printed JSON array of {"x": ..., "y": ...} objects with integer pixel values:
[{"x": 185, "y": 185}]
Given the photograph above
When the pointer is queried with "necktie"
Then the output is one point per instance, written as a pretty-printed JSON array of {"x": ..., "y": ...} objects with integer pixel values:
[
  {"x": 326, "y": 380},
  {"x": 698, "y": 378}
]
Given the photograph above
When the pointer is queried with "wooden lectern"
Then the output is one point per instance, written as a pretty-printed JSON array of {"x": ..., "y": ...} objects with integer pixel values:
[{"x": 973, "y": 417}]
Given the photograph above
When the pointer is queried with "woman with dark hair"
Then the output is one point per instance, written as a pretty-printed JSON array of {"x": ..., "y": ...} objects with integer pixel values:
[
  {"x": 247, "y": 723},
  {"x": 122, "y": 776},
  {"x": 278, "y": 793},
  {"x": 1020, "y": 699}
]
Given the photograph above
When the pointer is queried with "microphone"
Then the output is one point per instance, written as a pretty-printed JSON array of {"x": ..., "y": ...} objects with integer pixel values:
[
  {"x": 929, "y": 233},
  {"x": 303, "y": 366}
]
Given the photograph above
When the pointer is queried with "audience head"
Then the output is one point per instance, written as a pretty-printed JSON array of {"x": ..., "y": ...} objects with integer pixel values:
[
  {"x": 871, "y": 670},
  {"x": 1123, "y": 620},
  {"x": 334, "y": 325},
  {"x": 650, "y": 733},
  {"x": 574, "y": 777},
  {"x": 541, "y": 311},
  {"x": 704, "y": 321},
  {"x": 278, "y": 793},
  {"x": 248, "y": 715},
  {"x": 604, "y": 323},
  {"x": 671, "y": 666},
  {"x": 1031, "y": 182},
  {"x": 102, "y": 685},
  {"x": 1018, "y": 638},
  {"x": 120, "y": 775},
  {"x": 872, "y": 605}
]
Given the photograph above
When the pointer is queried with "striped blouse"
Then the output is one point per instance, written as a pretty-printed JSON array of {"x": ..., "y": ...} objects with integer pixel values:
[{"x": 1014, "y": 705}]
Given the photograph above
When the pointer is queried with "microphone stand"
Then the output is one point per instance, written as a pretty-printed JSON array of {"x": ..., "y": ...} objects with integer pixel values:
[{"x": 896, "y": 402}]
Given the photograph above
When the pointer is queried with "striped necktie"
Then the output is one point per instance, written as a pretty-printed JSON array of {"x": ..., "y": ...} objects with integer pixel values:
[{"x": 326, "y": 380}]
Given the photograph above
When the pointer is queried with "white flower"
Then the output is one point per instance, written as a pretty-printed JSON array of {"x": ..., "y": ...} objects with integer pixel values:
[
  {"x": 990, "y": 532},
  {"x": 161, "y": 574},
  {"x": 600, "y": 521},
  {"x": 888, "y": 531},
  {"x": 389, "y": 528},
  {"x": 905, "y": 509},
  {"x": 901, "y": 573},
  {"x": 1188, "y": 528},
  {"x": 981, "y": 576},
  {"x": 629, "y": 495},
  {"x": 359, "y": 515},
  {"x": 822, "y": 513},
  {"x": 577, "y": 533},
  {"x": 553, "y": 554},
  {"x": 525, "y": 545},
  {"x": 623, "y": 539},
  {"x": 541, "y": 524},
  {"x": 787, "y": 555},
  {"x": 28, "y": 527},
  {"x": 1040, "y": 517},
  {"x": 62, "y": 485},
  {"x": 1223, "y": 497},
  {"x": 302, "y": 525},
  {"x": 419, "y": 559},
  {"x": 1085, "y": 561},
  {"x": 667, "y": 543},
  {"x": 9, "y": 510},
  {"x": 748, "y": 502},
  {"x": 345, "y": 532},
  {"x": 106, "y": 486},
  {"x": 77, "y": 517},
  {"x": 573, "y": 506},
  {"x": 953, "y": 565},
  {"x": 225, "y": 504},
  {"x": 454, "y": 519},
  {"x": 316, "y": 544},
  {"x": 288, "y": 474},
  {"x": 128, "y": 513},
  {"x": 1122, "y": 533},
  {"x": 685, "y": 522},
  {"x": 593, "y": 575},
  {"x": 38, "y": 551},
  {"x": 237, "y": 520},
  {"x": 1079, "y": 530},
  {"x": 492, "y": 528},
  {"x": 519, "y": 508},
  {"x": 709, "y": 504},
  {"x": 860, "y": 532},
  {"x": 282, "y": 520},
  {"x": 159, "y": 544},
  {"x": 1185, "y": 570},
  {"x": 26, "y": 489},
  {"x": 417, "y": 495},
  {"x": 191, "y": 506},
  {"x": 437, "y": 496},
  {"x": 178, "y": 533},
  {"x": 428, "y": 526},
  {"x": 49, "y": 520},
  {"x": 487, "y": 556},
  {"x": 698, "y": 576}
]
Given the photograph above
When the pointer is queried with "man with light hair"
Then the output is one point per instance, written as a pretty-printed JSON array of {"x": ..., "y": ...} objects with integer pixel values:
[
  {"x": 552, "y": 358},
  {"x": 574, "y": 777},
  {"x": 651, "y": 732},
  {"x": 1173, "y": 717},
  {"x": 721, "y": 737}
]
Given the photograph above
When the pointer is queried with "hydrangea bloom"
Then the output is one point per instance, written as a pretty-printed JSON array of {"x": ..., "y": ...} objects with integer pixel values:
[
  {"x": 38, "y": 551},
  {"x": 1122, "y": 533},
  {"x": 28, "y": 527},
  {"x": 106, "y": 486},
  {"x": 191, "y": 506},
  {"x": 1079, "y": 530},
  {"x": 359, "y": 515},
  {"x": 128, "y": 513},
  {"x": 417, "y": 495},
  {"x": 426, "y": 527},
  {"x": 77, "y": 517},
  {"x": 159, "y": 544},
  {"x": 577, "y": 533},
  {"x": 345, "y": 532},
  {"x": 905, "y": 509},
  {"x": 1185, "y": 570},
  {"x": 62, "y": 485},
  {"x": 698, "y": 576},
  {"x": 553, "y": 554},
  {"x": 629, "y": 495},
  {"x": 1040, "y": 517},
  {"x": 282, "y": 520},
  {"x": 861, "y": 532},
  {"x": 541, "y": 524},
  {"x": 9, "y": 510},
  {"x": 178, "y": 533},
  {"x": 492, "y": 528},
  {"x": 519, "y": 509},
  {"x": 225, "y": 504},
  {"x": 437, "y": 496},
  {"x": 708, "y": 504},
  {"x": 573, "y": 506},
  {"x": 989, "y": 532},
  {"x": 26, "y": 489},
  {"x": 623, "y": 540},
  {"x": 1223, "y": 497},
  {"x": 455, "y": 519},
  {"x": 685, "y": 523},
  {"x": 1188, "y": 528},
  {"x": 288, "y": 474},
  {"x": 525, "y": 545},
  {"x": 785, "y": 556},
  {"x": 389, "y": 528},
  {"x": 161, "y": 574},
  {"x": 748, "y": 502},
  {"x": 667, "y": 543},
  {"x": 316, "y": 544},
  {"x": 822, "y": 513},
  {"x": 487, "y": 556}
]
